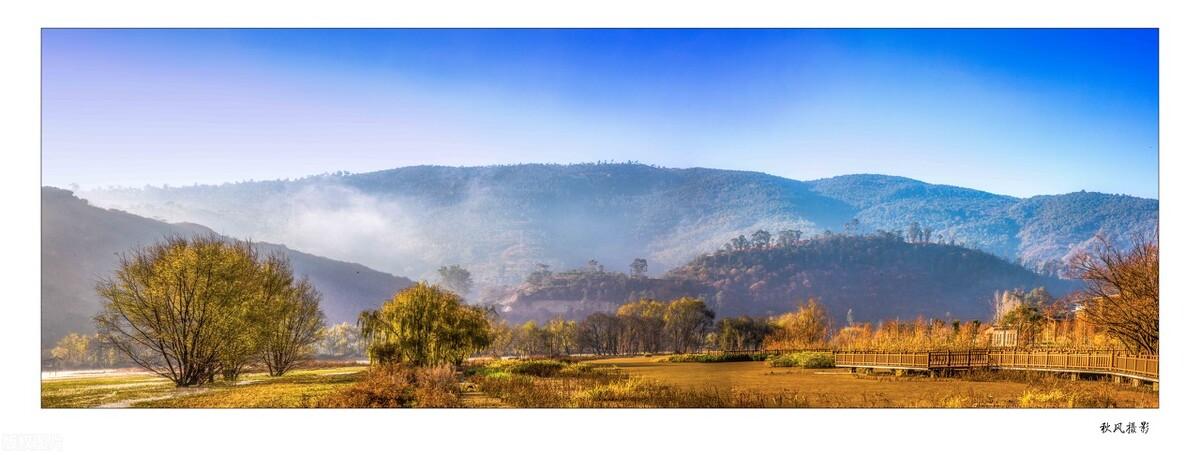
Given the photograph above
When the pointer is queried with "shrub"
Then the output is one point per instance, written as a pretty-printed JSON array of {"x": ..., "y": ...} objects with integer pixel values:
[
  {"x": 500, "y": 375},
  {"x": 395, "y": 386},
  {"x": 806, "y": 359},
  {"x": 539, "y": 368},
  {"x": 383, "y": 386},
  {"x": 436, "y": 388}
]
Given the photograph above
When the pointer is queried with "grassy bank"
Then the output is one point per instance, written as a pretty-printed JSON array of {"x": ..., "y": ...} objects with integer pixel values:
[{"x": 89, "y": 392}]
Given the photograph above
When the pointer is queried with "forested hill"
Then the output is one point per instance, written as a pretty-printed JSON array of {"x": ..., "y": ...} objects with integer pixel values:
[
  {"x": 80, "y": 244},
  {"x": 1040, "y": 232},
  {"x": 879, "y": 276},
  {"x": 499, "y": 221},
  {"x": 574, "y": 294}
]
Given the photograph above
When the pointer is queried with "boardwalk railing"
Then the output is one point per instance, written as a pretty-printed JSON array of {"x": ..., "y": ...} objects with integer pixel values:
[{"x": 1143, "y": 367}]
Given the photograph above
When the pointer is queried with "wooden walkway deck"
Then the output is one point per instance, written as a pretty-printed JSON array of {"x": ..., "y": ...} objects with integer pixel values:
[{"x": 1115, "y": 363}]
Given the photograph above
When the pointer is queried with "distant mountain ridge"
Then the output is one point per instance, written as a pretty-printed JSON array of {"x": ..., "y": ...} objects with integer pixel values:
[
  {"x": 80, "y": 244},
  {"x": 500, "y": 221}
]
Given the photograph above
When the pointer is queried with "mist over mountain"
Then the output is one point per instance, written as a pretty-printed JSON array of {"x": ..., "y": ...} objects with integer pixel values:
[
  {"x": 500, "y": 221},
  {"x": 879, "y": 276},
  {"x": 81, "y": 243}
]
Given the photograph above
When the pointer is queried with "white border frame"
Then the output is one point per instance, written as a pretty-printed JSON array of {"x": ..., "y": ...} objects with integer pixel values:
[{"x": 23, "y": 423}]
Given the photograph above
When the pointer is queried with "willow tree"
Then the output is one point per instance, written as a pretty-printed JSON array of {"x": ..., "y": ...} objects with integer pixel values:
[
  {"x": 177, "y": 306},
  {"x": 1120, "y": 294},
  {"x": 424, "y": 325}
]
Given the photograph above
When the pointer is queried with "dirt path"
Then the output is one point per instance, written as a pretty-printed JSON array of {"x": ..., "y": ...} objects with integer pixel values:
[{"x": 176, "y": 393}]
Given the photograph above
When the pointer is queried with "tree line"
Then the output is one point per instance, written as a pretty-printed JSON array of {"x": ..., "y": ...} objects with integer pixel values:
[
  {"x": 643, "y": 326},
  {"x": 640, "y": 326},
  {"x": 190, "y": 309},
  {"x": 789, "y": 238}
]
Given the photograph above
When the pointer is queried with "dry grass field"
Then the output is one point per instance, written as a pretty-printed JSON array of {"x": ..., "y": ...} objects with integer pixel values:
[
  {"x": 837, "y": 387},
  {"x": 615, "y": 382}
]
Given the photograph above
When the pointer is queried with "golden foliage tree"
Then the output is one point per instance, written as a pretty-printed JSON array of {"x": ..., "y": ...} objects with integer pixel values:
[
  {"x": 72, "y": 350},
  {"x": 291, "y": 322},
  {"x": 806, "y": 327},
  {"x": 188, "y": 309},
  {"x": 686, "y": 320},
  {"x": 642, "y": 330}
]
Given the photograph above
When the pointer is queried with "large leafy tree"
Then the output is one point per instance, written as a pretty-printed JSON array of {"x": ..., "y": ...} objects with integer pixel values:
[
  {"x": 424, "y": 325},
  {"x": 191, "y": 308},
  {"x": 177, "y": 307}
]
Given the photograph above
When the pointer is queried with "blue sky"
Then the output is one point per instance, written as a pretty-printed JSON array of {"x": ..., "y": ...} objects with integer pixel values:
[{"x": 1018, "y": 112}]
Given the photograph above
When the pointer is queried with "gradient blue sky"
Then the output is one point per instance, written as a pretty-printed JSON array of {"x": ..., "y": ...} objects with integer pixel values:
[{"x": 1019, "y": 112}]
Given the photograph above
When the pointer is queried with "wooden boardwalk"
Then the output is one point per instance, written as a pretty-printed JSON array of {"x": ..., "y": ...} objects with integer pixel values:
[{"x": 1114, "y": 363}]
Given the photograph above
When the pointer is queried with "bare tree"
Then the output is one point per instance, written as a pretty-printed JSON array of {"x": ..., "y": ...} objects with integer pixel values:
[
  {"x": 1120, "y": 293},
  {"x": 600, "y": 333}
]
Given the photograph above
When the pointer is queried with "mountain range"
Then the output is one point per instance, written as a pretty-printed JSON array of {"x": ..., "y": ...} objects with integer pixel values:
[{"x": 499, "y": 222}]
